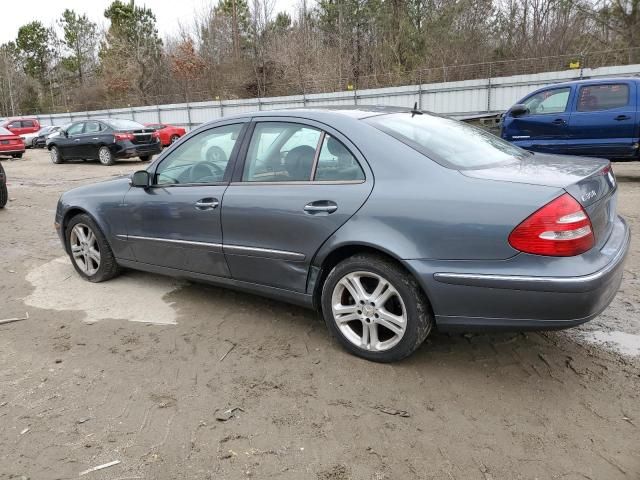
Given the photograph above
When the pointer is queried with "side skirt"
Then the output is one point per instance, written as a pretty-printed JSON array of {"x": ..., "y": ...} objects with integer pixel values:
[{"x": 296, "y": 298}]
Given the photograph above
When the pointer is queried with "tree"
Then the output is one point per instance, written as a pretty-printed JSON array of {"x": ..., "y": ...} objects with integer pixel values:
[
  {"x": 81, "y": 39},
  {"x": 33, "y": 42},
  {"x": 132, "y": 51}
]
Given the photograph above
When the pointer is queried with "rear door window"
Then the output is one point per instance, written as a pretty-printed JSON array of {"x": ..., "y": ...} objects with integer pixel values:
[
  {"x": 593, "y": 98},
  {"x": 27, "y": 123},
  {"x": 548, "y": 101},
  {"x": 92, "y": 127}
]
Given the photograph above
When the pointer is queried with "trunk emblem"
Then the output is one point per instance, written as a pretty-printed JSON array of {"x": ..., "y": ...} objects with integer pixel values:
[{"x": 588, "y": 196}]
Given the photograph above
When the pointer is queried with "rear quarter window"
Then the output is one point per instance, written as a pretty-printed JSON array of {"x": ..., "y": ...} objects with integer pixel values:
[
  {"x": 593, "y": 98},
  {"x": 451, "y": 143}
]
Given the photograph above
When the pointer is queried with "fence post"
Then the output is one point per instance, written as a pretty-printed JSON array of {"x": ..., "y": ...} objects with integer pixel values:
[
  {"x": 489, "y": 90},
  {"x": 419, "y": 90},
  {"x": 355, "y": 94},
  {"x": 259, "y": 105},
  {"x": 158, "y": 113},
  {"x": 189, "y": 115},
  {"x": 221, "y": 109}
]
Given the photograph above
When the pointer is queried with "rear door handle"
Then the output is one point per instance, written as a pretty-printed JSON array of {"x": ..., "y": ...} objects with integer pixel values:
[
  {"x": 207, "y": 203},
  {"x": 558, "y": 121},
  {"x": 320, "y": 206},
  {"x": 622, "y": 117}
]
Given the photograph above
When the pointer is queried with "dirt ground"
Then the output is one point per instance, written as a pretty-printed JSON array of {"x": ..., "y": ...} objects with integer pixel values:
[{"x": 144, "y": 369}]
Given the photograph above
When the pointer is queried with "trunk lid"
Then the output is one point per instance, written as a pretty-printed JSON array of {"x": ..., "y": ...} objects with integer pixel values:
[
  {"x": 141, "y": 136},
  {"x": 589, "y": 180}
]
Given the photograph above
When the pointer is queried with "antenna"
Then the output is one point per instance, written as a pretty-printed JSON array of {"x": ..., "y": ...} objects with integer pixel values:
[{"x": 415, "y": 111}]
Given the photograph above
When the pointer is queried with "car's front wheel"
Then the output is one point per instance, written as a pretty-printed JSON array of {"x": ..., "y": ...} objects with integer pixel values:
[
  {"x": 375, "y": 308},
  {"x": 174, "y": 138},
  {"x": 145, "y": 158},
  {"x": 105, "y": 156},
  {"x": 17, "y": 155},
  {"x": 54, "y": 153},
  {"x": 89, "y": 250}
]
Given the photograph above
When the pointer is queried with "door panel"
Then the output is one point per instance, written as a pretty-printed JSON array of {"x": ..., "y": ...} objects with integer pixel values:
[
  {"x": 604, "y": 122},
  {"x": 91, "y": 139},
  {"x": 546, "y": 127},
  {"x": 275, "y": 220},
  {"x": 176, "y": 222},
  {"x": 70, "y": 145},
  {"x": 167, "y": 228}
]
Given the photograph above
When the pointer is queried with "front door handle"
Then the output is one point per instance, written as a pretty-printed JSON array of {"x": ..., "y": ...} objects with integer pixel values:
[
  {"x": 207, "y": 204},
  {"x": 622, "y": 117},
  {"x": 558, "y": 121},
  {"x": 321, "y": 206}
]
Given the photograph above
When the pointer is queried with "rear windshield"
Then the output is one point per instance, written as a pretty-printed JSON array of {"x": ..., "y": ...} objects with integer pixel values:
[
  {"x": 120, "y": 124},
  {"x": 4, "y": 131},
  {"x": 451, "y": 143}
]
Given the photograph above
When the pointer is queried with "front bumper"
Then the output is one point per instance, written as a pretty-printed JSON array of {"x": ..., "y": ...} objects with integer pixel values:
[{"x": 526, "y": 292}]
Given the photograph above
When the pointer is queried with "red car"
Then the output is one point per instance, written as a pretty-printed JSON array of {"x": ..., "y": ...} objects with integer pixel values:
[
  {"x": 168, "y": 133},
  {"x": 10, "y": 144},
  {"x": 21, "y": 126}
]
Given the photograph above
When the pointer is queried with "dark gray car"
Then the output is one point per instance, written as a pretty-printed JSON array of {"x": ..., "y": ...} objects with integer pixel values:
[{"x": 391, "y": 222}]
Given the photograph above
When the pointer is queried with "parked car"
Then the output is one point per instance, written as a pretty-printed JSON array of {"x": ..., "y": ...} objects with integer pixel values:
[
  {"x": 390, "y": 222},
  {"x": 4, "y": 194},
  {"x": 105, "y": 140},
  {"x": 21, "y": 126},
  {"x": 168, "y": 133},
  {"x": 40, "y": 138},
  {"x": 10, "y": 144},
  {"x": 29, "y": 138},
  {"x": 596, "y": 118}
]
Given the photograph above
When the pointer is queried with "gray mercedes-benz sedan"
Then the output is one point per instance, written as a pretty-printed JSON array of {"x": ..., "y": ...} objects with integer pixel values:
[{"x": 391, "y": 222}]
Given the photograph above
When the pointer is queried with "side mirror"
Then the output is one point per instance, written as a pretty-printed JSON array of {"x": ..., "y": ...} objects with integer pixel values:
[
  {"x": 519, "y": 109},
  {"x": 65, "y": 133},
  {"x": 140, "y": 179}
]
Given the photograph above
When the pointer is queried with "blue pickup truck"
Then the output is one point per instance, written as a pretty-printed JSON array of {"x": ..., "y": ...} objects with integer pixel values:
[{"x": 597, "y": 118}]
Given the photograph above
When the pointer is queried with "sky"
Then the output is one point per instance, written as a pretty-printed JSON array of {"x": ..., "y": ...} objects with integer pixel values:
[{"x": 169, "y": 13}]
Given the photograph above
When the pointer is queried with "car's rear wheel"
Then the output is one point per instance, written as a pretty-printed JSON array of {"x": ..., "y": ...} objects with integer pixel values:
[
  {"x": 105, "y": 156},
  {"x": 174, "y": 138},
  {"x": 145, "y": 158},
  {"x": 375, "y": 308},
  {"x": 17, "y": 155},
  {"x": 89, "y": 250},
  {"x": 55, "y": 155}
]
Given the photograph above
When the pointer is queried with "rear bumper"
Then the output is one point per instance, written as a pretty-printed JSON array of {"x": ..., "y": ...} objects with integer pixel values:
[
  {"x": 501, "y": 297},
  {"x": 11, "y": 151},
  {"x": 129, "y": 149}
]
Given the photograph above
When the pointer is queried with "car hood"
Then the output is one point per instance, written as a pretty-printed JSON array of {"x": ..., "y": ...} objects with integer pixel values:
[{"x": 118, "y": 185}]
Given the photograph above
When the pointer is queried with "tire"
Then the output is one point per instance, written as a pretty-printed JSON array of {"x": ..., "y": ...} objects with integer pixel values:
[
  {"x": 105, "y": 157},
  {"x": 4, "y": 194},
  {"x": 17, "y": 155},
  {"x": 402, "y": 298},
  {"x": 145, "y": 158},
  {"x": 56, "y": 156},
  {"x": 173, "y": 139},
  {"x": 88, "y": 267}
]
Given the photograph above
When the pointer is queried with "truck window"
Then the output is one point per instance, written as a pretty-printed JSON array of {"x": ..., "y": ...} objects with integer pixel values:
[
  {"x": 593, "y": 98},
  {"x": 548, "y": 101}
]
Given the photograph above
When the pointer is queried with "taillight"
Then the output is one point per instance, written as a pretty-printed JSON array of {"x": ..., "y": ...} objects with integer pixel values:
[
  {"x": 123, "y": 136},
  {"x": 560, "y": 229}
]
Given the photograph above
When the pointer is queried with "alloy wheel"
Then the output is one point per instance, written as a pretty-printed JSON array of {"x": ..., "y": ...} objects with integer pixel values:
[
  {"x": 54, "y": 155},
  {"x": 85, "y": 249},
  {"x": 369, "y": 311},
  {"x": 104, "y": 155}
]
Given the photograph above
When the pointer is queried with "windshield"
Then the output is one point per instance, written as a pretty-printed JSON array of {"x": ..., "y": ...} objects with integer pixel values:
[
  {"x": 120, "y": 124},
  {"x": 451, "y": 143}
]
